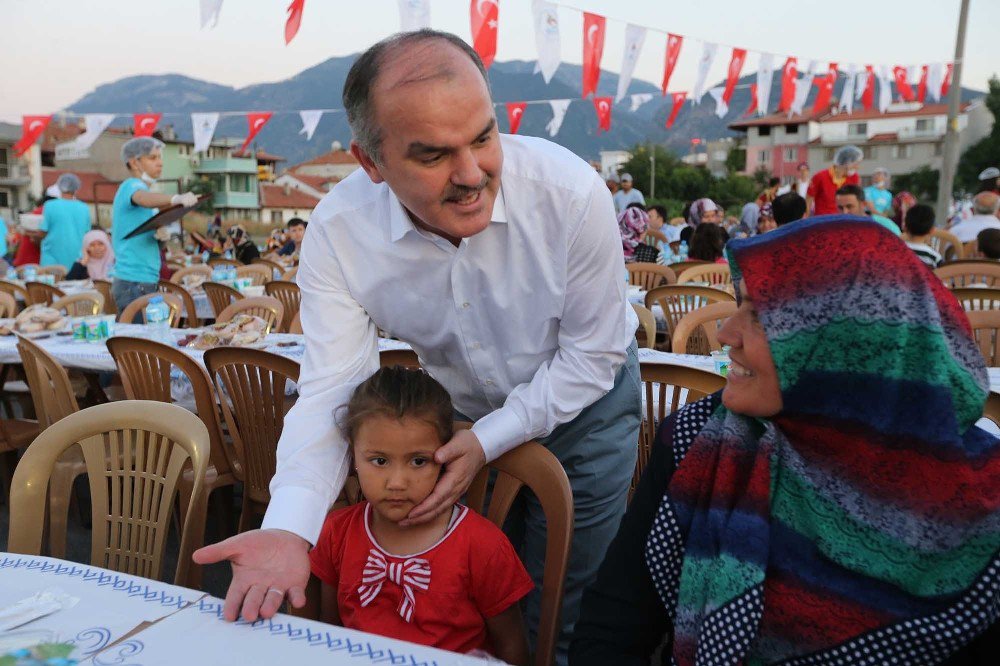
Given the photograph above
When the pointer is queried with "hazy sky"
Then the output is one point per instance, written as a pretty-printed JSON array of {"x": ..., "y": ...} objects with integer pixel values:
[{"x": 58, "y": 50}]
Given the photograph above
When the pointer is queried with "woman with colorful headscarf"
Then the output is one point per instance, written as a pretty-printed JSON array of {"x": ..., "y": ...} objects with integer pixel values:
[
  {"x": 701, "y": 210},
  {"x": 244, "y": 250},
  {"x": 632, "y": 224},
  {"x": 836, "y": 503}
]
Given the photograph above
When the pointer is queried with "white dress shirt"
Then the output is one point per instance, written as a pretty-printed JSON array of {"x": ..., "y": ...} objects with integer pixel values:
[
  {"x": 526, "y": 323},
  {"x": 967, "y": 230}
]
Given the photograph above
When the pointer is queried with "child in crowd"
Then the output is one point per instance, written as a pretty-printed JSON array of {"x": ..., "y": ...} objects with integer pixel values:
[
  {"x": 707, "y": 243},
  {"x": 452, "y": 583},
  {"x": 918, "y": 224},
  {"x": 988, "y": 241}
]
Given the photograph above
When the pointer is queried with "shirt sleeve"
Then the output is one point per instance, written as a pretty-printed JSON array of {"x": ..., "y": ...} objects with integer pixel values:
[
  {"x": 499, "y": 580},
  {"x": 324, "y": 558},
  {"x": 341, "y": 352},
  {"x": 592, "y": 335}
]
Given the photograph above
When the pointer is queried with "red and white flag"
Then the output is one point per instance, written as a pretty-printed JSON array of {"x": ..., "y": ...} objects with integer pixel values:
[
  {"x": 31, "y": 128},
  {"x": 593, "y": 49},
  {"x": 603, "y": 107},
  {"x": 484, "y": 15},
  {"x": 514, "y": 112},
  {"x": 674, "y": 43},
  {"x": 678, "y": 100},
  {"x": 922, "y": 85},
  {"x": 294, "y": 19},
  {"x": 753, "y": 100},
  {"x": 868, "y": 96},
  {"x": 788, "y": 75},
  {"x": 144, "y": 124},
  {"x": 825, "y": 90},
  {"x": 255, "y": 121},
  {"x": 902, "y": 84},
  {"x": 735, "y": 67},
  {"x": 946, "y": 84}
]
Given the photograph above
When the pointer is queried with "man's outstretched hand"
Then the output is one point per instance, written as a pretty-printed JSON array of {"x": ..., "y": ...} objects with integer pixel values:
[{"x": 265, "y": 563}]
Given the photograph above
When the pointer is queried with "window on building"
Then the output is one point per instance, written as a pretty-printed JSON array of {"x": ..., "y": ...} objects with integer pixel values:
[
  {"x": 938, "y": 149},
  {"x": 4, "y": 199},
  {"x": 857, "y": 129},
  {"x": 763, "y": 156},
  {"x": 830, "y": 152},
  {"x": 869, "y": 152},
  {"x": 791, "y": 129},
  {"x": 789, "y": 154},
  {"x": 4, "y": 164},
  {"x": 902, "y": 152},
  {"x": 925, "y": 124},
  {"x": 240, "y": 182},
  {"x": 276, "y": 218},
  {"x": 183, "y": 149},
  {"x": 764, "y": 130}
]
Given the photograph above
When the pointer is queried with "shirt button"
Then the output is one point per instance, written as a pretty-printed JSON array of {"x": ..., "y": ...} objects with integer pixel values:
[
  {"x": 489, "y": 382},
  {"x": 476, "y": 345},
  {"x": 465, "y": 305}
]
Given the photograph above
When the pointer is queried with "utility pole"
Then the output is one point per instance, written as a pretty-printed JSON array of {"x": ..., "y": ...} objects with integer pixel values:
[
  {"x": 949, "y": 160},
  {"x": 652, "y": 171}
]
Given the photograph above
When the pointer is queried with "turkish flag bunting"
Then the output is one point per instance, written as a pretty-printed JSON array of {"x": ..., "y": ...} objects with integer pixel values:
[
  {"x": 946, "y": 86},
  {"x": 825, "y": 90},
  {"x": 922, "y": 86},
  {"x": 753, "y": 100},
  {"x": 902, "y": 85},
  {"x": 788, "y": 75},
  {"x": 678, "y": 100},
  {"x": 484, "y": 16},
  {"x": 294, "y": 19},
  {"x": 31, "y": 128},
  {"x": 255, "y": 121},
  {"x": 868, "y": 97},
  {"x": 144, "y": 124},
  {"x": 593, "y": 48},
  {"x": 514, "y": 112},
  {"x": 674, "y": 43},
  {"x": 603, "y": 107},
  {"x": 735, "y": 66}
]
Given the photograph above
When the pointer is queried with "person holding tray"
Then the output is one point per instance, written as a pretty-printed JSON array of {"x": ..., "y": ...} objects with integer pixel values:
[{"x": 137, "y": 267}]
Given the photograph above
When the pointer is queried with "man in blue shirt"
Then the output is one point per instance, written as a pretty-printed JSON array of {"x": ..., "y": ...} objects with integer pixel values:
[
  {"x": 296, "y": 232},
  {"x": 64, "y": 222},
  {"x": 137, "y": 259},
  {"x": 878, "y": 198},
  {"x": 627, "y": 195}
]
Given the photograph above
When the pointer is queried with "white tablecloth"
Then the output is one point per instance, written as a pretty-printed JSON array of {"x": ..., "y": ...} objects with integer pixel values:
[{"x": 188, "y": 626}]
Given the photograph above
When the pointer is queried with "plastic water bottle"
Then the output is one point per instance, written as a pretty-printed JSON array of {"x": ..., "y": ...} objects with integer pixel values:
[
  {"x": 158, "y": 320},
  {"x": 11, "y": 274},
  {"x": 231, "y": 273},
  {"x": 204, "y": 257},
  {"x": 682, "y": 251},
  {"x": 30, "y": 274}
]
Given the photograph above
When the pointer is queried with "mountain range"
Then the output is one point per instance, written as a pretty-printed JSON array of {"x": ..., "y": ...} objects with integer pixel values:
[{"x": 320, "y": 87}]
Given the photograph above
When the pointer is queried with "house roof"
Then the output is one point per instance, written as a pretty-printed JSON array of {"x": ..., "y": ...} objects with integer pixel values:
[
  {"x": 332, "y": 157},
  {"x": 105, "y": 188},
  {"x": 275, "y": 196},
  {"x": 859, "y": 113},
  {"x": 264, "y": 156},
  {"x": 884, "y": 137},
  {"x": 316, "y": 182}
]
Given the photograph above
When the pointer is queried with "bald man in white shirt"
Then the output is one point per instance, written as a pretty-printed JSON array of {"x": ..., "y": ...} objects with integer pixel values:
[{"x": 498, "y": 259}]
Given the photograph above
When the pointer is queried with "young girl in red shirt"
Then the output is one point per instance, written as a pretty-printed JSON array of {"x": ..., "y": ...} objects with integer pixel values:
[{"x": 452, "y": 583}]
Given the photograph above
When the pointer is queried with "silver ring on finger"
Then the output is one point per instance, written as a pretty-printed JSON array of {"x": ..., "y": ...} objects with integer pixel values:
[{"x": 275, "y": 590}]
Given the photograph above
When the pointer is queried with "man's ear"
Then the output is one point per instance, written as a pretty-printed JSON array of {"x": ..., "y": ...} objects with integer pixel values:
[{"x": 367, "y": 163}]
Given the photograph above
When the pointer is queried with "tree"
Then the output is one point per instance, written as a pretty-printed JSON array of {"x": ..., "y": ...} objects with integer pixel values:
[
  {"x": 736, "y": 160},
  {"x": 922, "y": 183},
  {"x": 204, "y": 185},
  {"x": 984, "y": 153}
]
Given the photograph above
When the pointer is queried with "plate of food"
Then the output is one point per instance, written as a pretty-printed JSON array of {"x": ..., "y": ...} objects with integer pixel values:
[
  {"x": 243, "y": 330},
  {"x": 39, "y": 320}
]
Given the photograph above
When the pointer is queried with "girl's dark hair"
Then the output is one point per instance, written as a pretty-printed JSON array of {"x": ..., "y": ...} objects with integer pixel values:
[
  {"x": 397, "y": 392},
  {"x": 707, "y": 242}
]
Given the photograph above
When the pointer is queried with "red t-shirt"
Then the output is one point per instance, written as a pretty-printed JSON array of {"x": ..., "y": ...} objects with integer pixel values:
[
  {"x": 474, "y": 574},
  {"x": 27, "y": 252},
  {"x": 823, "y": 190}
]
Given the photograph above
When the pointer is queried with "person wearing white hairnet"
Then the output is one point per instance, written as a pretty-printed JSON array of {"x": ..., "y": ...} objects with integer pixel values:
[
  {"x": 137, "y": 259},
  {"x": 64, "y": 222},
  {"x": 878, "y": 198},
  {"x": 821, "y": 198}
]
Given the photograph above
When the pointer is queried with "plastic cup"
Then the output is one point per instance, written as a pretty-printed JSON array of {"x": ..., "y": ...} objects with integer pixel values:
[{"x": 722, "y": 362}]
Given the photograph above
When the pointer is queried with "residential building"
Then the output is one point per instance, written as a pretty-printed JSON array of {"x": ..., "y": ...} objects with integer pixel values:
[
  {"x": 338, "y": 163},
  {"x": 314, "y": 186},
  {"x": 712, "y": 154},
  {"x": 20, "y": 177},
  {"x": 95, "y": 190},
  {"x": 267, "y": 165},
  {"x": 612, "y": 161},
  {"x": 234, "y": 180},
  {"x": 280, "y": 203},
  {"x": 906, "y": 137}
]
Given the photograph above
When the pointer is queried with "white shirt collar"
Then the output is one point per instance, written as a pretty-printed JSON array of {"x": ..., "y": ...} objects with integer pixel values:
[{"x": 400, "y": 223}]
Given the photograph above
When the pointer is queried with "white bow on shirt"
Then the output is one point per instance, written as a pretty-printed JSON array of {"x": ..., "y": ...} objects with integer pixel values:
[{"x": 413, "y": 572}]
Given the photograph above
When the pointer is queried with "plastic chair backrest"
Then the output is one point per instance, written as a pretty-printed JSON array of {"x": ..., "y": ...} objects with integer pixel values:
[
  {"x": 967, "y": 273},
  {"x": 220, "y": 296},
  {"x": 697, "y": 332},
  {"x": 678, "y": 299},
  {"x": 260, "y": 275},
  {"x": 649, "y": 275},
  {"x": 947, "y": 244},
  {"x": 138, "y": 307},
  {"x": 986, "y": 328},
  {"x": 976, "y": 298},
  {"x": 135, "y": 452},
  {"x": 190, "y": 309},
  {"x": 40, "y": 293},
  {"x": 82, "y": 304},
  {"x": 8, "y": 304},
  {"x": 267, "y": 308},
  {"x": 222, "y": 261},
  {"x": 181, "y": 273},
  {"x": 991, "y": 410},
  {"x": 104, "y": 287},
  {"x": 647, "y": 321},
  {"x": 714, "y": 274},
  {"x": 51, "y": 389},
  {"x": 15, "y": 290},
  {"x": 289, "y": 295}
]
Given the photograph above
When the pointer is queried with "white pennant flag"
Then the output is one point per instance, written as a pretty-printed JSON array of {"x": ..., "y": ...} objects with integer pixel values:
[
  {"x": 704, "y": 64},
  {"x": 638, "y": 99},
  {"x": 860, "y": 83},
  {"x": 802, "y": 88},
  {"x": 634, "y": 37},
  {"x": 913, "y": 74},
  {"x": 203, "y": 127},
  {"x": 847, "y": 94},
  {"x": 884, "y": 87},
  {"x": 559, "y": 107},
  {"x": 765, "y": 75},
  {"x": 210, "y": 13},
  {"x": 935, "y": 80},
  {"x": 95, "y": 124},
  {"x": 310, "y": 119},
  {"x": 546, "y": 18},
  {"x": 721, "y": 108},
  {"x": 414, "y": 15}
]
